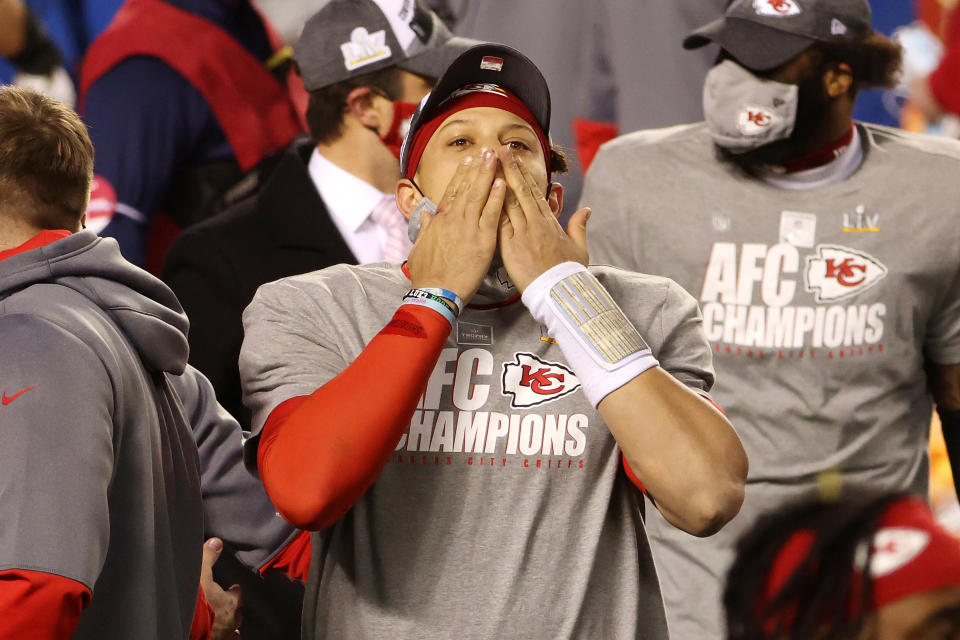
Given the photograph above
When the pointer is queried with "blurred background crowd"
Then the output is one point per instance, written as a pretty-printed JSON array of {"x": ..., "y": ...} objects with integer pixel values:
[
  {"x": 215, "y": 151},
  {"x": 614, "y": 67}
]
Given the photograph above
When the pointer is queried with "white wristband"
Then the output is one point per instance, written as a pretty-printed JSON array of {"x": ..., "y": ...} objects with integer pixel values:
[{"x": 599, "y": 342}]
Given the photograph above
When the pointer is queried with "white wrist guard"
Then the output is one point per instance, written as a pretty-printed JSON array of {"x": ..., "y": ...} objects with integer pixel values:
[{"x": 599, "y": 342}]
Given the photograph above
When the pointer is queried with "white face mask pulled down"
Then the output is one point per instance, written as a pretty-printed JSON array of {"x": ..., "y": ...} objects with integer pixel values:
[{"x": 744, "y": 112}]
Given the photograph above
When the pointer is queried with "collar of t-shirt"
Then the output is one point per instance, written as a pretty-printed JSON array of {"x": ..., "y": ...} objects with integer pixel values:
[
  {"x": 835, "y": 171},
  {"x": 349, "y": 202},
  {"x": 42, "y": 239}
]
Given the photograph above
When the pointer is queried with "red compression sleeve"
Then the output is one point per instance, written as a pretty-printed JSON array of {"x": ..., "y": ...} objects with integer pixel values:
[
  {"x": 630, "y": 474},
  {"x": 293, "y": 559},
  {"x": 317, "y": 460},
  {"x": 40, "y": 606},
  {"x": 203, "y": 616}
]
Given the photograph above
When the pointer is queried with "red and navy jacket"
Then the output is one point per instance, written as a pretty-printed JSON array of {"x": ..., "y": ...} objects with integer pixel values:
[{"x": 172, "y": 84}]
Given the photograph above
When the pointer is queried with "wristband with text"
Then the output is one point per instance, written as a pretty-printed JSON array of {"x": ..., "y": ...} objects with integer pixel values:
[
  {"x": 430, "y": 294},
  {"x": 440, "y": 307},
  {"x": 448, "y": 295}
]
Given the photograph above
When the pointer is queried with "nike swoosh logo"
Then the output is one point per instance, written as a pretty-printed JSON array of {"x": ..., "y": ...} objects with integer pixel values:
[{"x": 8, "y": 399}]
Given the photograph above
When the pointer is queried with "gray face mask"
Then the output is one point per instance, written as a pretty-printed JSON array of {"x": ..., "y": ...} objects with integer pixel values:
[
  {"x": 496, "y": 285},
  {"x": 413, "y": 224},
  {"x": 743, "y": 111}
]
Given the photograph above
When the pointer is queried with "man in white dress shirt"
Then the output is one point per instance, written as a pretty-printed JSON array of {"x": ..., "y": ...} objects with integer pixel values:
[{"x": 366, "y": 64}]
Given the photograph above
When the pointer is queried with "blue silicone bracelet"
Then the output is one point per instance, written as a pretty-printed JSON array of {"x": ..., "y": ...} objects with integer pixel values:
[
  {"x": 449, "y": 295},
  {"x": 425, "y": 294},
  {"x": 439, "y": 307}
]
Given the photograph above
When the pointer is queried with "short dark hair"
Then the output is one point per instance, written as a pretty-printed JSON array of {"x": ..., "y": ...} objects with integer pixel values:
[
  {"x": 46, "y": 159},
  {"x": 326, "y": 106},
  {"x": 558, "y": 160},
  {"x": 813, "y": 602},
  {"x": 874, "y": 60}
]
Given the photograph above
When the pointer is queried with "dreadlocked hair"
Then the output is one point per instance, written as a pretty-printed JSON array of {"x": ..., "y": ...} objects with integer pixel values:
[
  {"x": 874, "y": 60},
  {"x": 814, "y": 602}
]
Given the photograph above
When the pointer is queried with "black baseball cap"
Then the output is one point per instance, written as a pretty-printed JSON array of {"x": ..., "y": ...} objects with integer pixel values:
[
  {"x": 347, "y": 38},
  {"x": 484, "y": 64},
  {"x": 764, "y": 34}
]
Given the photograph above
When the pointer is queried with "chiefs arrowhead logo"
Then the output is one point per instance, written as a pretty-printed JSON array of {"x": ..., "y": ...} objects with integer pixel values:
[
  {"x": 893, "y": 549},
  {"x": 777, "y": 8},
  {"x": 754, "y": 120},
  {"x": 530, "y": 381},
  {"x": 836, "y": 272}
]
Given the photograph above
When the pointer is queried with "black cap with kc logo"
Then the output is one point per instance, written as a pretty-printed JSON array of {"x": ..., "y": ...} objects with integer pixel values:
[
  {"x": 485, "y": 64},
  {"x": 764, "y": 34}
]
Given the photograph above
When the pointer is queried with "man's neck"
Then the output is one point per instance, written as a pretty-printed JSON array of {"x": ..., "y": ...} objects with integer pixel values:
[
  {"x": 821, "y": 155},
  {"x": 41, "y": 239},
  {"x": 14, "y": 232},
  {"x": 361, "y": 153},
  {"x": 835, "y": 123},
  {"x": 15, "y": 228},
  {"x": 834, "y": 129},
  {"x": 830, "y": 167}
]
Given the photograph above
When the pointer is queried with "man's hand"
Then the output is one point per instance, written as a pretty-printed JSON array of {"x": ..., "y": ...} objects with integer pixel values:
[
  {"x": 456, "y": 245},
  {"x": 531, "y": 239},
  {"x": 225, "y": 604}
]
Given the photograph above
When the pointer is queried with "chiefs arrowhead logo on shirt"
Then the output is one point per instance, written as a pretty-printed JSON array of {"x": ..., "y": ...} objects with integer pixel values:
[
  {"x": 893, "y": 549},
  {"x": 754, "y": 120},
  {"x": 530, "y": 381},
  {"x": 777, "y": 8},
  {"x": 836, "y": 272}
]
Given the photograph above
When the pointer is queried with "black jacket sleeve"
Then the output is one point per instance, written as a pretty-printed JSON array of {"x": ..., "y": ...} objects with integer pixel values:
[{"x": 200, "y": 275}]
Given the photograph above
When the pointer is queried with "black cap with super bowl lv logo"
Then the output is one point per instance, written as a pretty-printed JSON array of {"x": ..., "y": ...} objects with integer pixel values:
[
  {"x": 490, "y": 64},
  {"x": 764, "y": 34},
  {"x": 348, "y": 38}
]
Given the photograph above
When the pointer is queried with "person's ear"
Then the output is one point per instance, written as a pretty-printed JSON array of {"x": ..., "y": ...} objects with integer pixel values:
[
  {"x": 363, "y": 105},
  {"x": 407, "y": 197},
  {"x": 555, "y": 198},
  {"x": 86, "y": 207},
  {"x": 837, "y": 81}
]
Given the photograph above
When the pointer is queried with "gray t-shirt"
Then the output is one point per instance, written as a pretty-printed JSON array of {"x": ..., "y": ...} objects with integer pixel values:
[
  {"x": 504, "y": 511},
  {"x": 821, "y": 306}
]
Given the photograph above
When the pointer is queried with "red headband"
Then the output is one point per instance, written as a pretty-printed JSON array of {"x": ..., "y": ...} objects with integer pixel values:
[
  {"x": 470, "y": 97},
  {"x": 912, "y": 554}
]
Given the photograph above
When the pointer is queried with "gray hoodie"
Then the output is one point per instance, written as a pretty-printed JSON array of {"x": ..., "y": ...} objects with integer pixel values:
[{"x": 100, "y": 423}]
